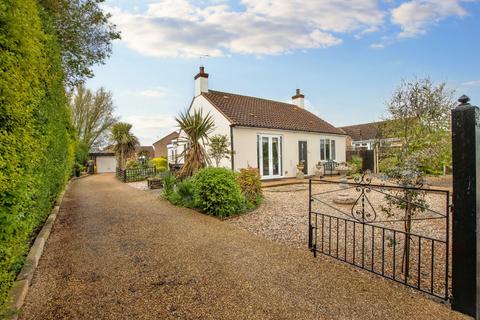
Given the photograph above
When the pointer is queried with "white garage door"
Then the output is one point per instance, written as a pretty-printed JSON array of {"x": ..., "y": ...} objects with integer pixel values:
[{"x": 106, "y": 164}]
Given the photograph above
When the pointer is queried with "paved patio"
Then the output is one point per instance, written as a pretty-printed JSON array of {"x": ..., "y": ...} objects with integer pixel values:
[{"x": 121, "y": 253}]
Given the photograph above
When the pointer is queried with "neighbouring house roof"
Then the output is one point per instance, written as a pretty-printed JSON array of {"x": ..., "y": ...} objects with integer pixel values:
[
  {"x": 167, "y": 139},
  {"x": 108, "y": 151},
  {"x": 262, "y": 113},
  {"x": 149, "y": 149},
  {"x": 101, "y": 154},
  {"x": 161, "y": 145},
  {"x": 364, "y": 131}
]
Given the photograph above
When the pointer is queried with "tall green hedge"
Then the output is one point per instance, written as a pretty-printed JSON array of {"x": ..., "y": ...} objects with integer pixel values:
[{"x": 36, "y": 139}]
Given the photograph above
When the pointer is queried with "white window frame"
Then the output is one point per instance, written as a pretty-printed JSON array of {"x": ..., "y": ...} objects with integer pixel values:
[
  {"x": 332, "y": 149},
  {"x": 270, "y": 155}
]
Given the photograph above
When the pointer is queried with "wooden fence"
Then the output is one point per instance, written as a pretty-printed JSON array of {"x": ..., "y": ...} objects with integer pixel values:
[
  {"x": 368, "y": 158},
  {"x": 131, "y": 175}
]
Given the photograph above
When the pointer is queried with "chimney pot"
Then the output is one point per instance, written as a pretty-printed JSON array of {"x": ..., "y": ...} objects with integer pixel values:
[
  {"x": 201, "y": 82},
  {"x": 298, "y": 99}
]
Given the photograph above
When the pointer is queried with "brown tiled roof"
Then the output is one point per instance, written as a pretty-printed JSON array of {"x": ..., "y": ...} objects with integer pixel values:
[
  {"x": 365, "y": 131},
  {"x": 149, "y": 149},
  {"x": 168, "y": 138},
  {"x": 261, "y": 113}
]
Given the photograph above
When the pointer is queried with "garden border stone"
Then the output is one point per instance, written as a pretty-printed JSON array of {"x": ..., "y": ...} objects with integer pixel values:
[{"x": 20, "y": 287}]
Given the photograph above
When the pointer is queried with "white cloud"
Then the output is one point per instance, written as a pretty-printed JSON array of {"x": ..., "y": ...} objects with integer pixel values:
[
  {"x": 183, "y": 28},
  {"x": 416, "y": 16},
  {"x": 473, "y": 83},
  {"x": 149, "y": 128},
  {"x": 156, "y": 92},
  {"x": 377, "y": 46}
]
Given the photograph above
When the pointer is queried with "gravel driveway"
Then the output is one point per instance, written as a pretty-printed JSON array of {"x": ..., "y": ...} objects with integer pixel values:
[{"x": 120, "y": 253}]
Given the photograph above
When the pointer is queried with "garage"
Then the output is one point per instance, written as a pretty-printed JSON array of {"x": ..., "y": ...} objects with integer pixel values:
[
  {"x": 105, "y": 161},
  {"x": 106, "y": 164}
]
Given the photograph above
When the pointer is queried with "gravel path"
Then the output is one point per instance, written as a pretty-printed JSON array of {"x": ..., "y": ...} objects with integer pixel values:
[{"x": 117, "y": 252}]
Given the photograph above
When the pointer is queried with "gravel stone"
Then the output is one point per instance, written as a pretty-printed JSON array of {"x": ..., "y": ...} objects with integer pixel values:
[{"x": 117, "y": 252}]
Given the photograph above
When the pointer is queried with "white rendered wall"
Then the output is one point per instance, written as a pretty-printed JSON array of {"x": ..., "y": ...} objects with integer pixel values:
[
  {"x": 245, "y": 144},
  {"x": 222, "y": 125}
]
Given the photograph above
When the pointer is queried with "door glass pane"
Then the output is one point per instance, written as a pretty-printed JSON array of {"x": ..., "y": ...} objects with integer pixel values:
[
  {"x": 333, "y": 149},
  {"x": 322, "y": 149},
  {"x": 275, "y": 157},
  {"x": 281, "y": 155},
  {"x": 265, "y": 158},
  {"x": 327, "y": 149}
]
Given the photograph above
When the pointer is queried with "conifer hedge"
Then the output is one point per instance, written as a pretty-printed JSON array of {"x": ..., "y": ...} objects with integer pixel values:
[{"x": 36, "y": 138}]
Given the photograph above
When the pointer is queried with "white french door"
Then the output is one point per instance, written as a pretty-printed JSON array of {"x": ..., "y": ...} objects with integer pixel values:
[{"x": 270, "y": 156}]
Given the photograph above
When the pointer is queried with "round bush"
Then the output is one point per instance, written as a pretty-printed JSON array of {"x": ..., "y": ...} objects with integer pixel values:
[
  {"x": 251, "y": 186},
  {"x": 160, "y": 163},
  {"x": 133, "y": 164},
  {"x": 217, "y": 192}
]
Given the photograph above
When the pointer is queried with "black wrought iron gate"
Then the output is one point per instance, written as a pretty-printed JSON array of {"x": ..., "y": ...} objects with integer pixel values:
[{"x": 400, "y": 233}]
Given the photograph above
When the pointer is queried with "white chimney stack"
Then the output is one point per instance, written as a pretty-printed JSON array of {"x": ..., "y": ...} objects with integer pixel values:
[
  {"x": 299, "y": 99},
  {"x": 201, "y": 82}
]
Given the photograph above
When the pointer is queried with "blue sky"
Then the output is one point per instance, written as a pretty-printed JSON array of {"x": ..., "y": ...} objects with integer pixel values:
[{"x": 346, "y": 56}]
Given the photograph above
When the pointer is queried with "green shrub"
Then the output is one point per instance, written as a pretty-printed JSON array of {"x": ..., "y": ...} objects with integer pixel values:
[
  {"x": 356, "y": 163},
  {"x": 251, "y": 186},
  {"x": 216, "y": 192},
  {"x": 81, "y": 153},
  {"x": 36, "y": 137},
  {"x": 159, "y": 163},
  {"x": 133, "y": 164},
  {"x": 168, "y": 184},
  {"x": 183, "y": 194},
  {"x": 387, "y": 164}
]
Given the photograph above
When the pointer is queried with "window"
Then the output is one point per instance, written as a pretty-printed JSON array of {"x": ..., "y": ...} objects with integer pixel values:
[
  {"x": 322, "y": 149},
  {"x": 332, "y": 148},
  {"x": 327, "y": 149}
]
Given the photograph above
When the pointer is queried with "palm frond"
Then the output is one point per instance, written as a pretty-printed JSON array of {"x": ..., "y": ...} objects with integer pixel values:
[{"x": 197, "y": 129}]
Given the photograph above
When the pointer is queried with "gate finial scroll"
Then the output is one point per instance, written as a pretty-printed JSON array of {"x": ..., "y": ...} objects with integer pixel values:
[{"x": 359, "y": 211}]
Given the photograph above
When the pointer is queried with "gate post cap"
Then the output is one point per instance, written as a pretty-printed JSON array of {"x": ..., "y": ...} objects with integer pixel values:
[{"x": 463, "y": 99}]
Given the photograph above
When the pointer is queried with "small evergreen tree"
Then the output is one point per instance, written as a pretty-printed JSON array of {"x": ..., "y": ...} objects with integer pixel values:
[{"x": 219, "y": 148}]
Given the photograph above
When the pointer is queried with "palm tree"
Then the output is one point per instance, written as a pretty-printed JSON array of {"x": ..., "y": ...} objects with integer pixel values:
[
  {"x": 196, "y": 128},
  {"x": 125, "y": 141}
]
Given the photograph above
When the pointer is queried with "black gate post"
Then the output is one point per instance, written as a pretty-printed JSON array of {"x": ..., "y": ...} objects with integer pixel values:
[{"x": 466, "y": 203}]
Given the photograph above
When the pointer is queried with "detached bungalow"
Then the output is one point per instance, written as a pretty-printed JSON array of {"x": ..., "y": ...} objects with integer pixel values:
[{"x": 270, "y": 135}]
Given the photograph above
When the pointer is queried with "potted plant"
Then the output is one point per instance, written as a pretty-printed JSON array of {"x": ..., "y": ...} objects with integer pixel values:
[
  {"x": 301, "y": 165},
  {"x": 77, "y": 168}
]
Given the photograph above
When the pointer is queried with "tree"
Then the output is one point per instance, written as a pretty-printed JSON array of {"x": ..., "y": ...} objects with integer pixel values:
[
  {"x": 85, "y": 35},
  {"x": 92, "y": 115},
  {"x": 196, "y": 128},
  {"x": 406, "y": 202},
  {"x": 219, "y": 148},
  {"x": 419, "y": 118},
  {"x": 125, "y": 141}
]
